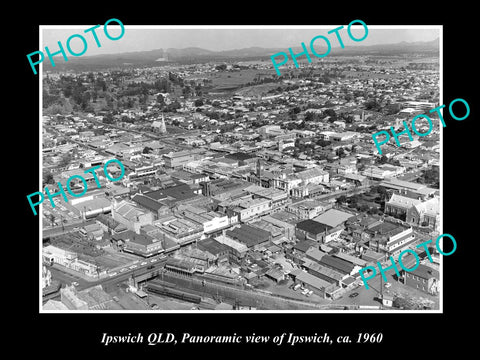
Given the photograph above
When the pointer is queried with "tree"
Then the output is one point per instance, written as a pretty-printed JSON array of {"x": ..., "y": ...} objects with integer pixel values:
[
  {"x": 295, "y": 110},
  {"x": 383, "y": 160},
  {"x": 147, "y": 150},
  {"x": 373, "y": 105},
  {"x": 331, "y": 113},
  {"x": 198, "y": 102},
  {"x": 342, "y": 199},
  {"x": 431, "y": 176},
  {"x": 108, "y": 118},
  {"x": 48, "y": 178},
  {"x": 66, "y": 159},
  {"x": 348, "y": 119}
]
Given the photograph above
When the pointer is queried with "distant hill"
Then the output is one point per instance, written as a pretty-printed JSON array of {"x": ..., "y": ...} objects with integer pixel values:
[{"x": 196, "y": 54}]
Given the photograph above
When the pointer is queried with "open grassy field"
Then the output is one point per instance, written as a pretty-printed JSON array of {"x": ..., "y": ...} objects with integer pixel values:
[{"x": 227, "y": 81}]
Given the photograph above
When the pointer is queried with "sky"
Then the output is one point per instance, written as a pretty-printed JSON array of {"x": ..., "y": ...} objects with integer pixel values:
[{"x": 218, "y": 38}]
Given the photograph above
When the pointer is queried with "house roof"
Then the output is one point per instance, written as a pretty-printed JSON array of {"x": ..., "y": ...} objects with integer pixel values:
[
  {"x": 403, "y": 201},
  {"x": 315, "y": 254},
  {"x": 128, "y": 211},
  {"x": 425, "y": 272},
  {"x": 249, "y": 235},
  {"x": 147, "y": 202},
  {"x": 212, "y": 246},
  {"x": 178, "y": 192},
  {"x": 429, "y": 207},
  {"x": 309, "y": 279},
  {"x": 313, "y": 227},
  {"x": 333, "y": 217},
  {"x": 337, "y": 264},
  {"x": 303, "y": 246}
]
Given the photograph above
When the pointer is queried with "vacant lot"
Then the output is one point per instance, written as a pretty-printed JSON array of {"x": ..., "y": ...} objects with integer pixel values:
[{"x": 229, "y": 81}]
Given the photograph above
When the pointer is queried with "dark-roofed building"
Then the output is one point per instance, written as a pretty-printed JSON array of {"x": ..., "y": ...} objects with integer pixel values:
[
  {"x": 138, "y": 244},
  {"x": 314, "y": 230},
  {"x": 152, "y": 205},
  {"x": 423, "y": 278},
  {"x": 319, "y": 286},
  {"x": 390, "y": 238},
  {"x": 213, "y": 247},
  {"x": 275, "y": 274},
  {"x": 189, "y": 178},
  {"x": 323, "y": 272},
  {"x": 251, "y": 236},
  {"x": 181, "y": 266},
  {"x": 242, "y": 157},
  {"x": 109, "y": 224},
  {"x": 303, "y": 246},
  {"x": 177, "y": 192},
  {"x": 311, "y": 229},
  {"x": 340, "y": 265}
]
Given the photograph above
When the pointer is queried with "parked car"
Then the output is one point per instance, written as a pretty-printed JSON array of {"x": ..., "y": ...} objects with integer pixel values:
[
  {"x": 144, "y": 263},
  {"x": 387, "y": 285},
  {"x": 113, "y": 274},
  {"x": 355, "y": 294}
]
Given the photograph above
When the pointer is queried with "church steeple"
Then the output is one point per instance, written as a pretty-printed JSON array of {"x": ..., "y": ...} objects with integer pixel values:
[{"x": 163, "y": 128}]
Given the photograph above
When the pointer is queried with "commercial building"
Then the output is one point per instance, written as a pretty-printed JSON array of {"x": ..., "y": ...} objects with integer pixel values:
[
  {"x": 390, "y": 238},
  {"x": 325, "y": 273},
  {"x": 210, "y": 221},
  {"x": 313, "y": 230},
  {"x": 334, "y": 217},
  {"x": 179, "y": 229},
  {"x": 253, "y": 237},
  {"x": 176, "y": 160},
  {"x": 155, "y": 207},
  {"x": 311, "y": 282},
  {"x": 308, "y": 209},
  {"x": 423, "y": 278},
  {"x": 343, "y": 266},
  {"x": 52, "y": 254},
  {"x": 236, "y": 250},
  {"x": 216, "y": 249},
  {"x": 130, "y": 215},
  {"x": 246, "y": 207}
]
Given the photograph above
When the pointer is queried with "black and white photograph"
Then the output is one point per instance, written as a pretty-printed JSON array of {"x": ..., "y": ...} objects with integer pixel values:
[
  {"x": 299, "y": 182},
  {"x": 203, "y": 177}
]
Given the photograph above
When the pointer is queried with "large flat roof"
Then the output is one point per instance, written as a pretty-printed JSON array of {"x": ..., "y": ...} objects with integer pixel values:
[
  {"x": 309, "y": 279},
  {"x": 313, "y": 226},
  {"x": 249, "y": 235},
  {"x": 333, "y": 217}
]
